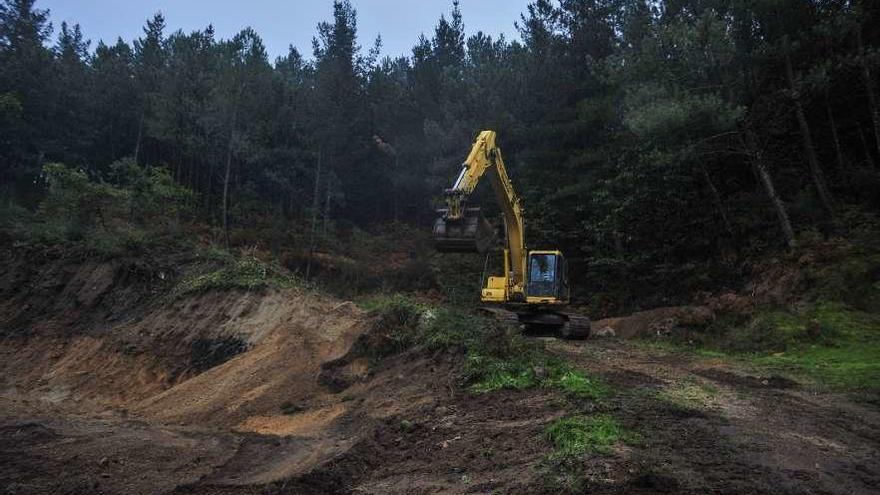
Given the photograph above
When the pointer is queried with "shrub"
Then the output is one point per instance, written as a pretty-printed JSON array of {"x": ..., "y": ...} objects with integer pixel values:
[{"x": 248, "y": 273}]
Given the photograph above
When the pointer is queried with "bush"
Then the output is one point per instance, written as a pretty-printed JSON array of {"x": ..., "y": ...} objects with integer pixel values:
[
  {"x": 496, "y": 357},
  {"x": 140, "y": 210}
]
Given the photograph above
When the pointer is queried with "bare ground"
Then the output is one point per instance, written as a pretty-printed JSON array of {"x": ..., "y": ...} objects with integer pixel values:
[{"x": 105, "y": 396}]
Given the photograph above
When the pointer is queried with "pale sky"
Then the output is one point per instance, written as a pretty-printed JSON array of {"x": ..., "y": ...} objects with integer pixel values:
[{"x": 281, "y": 23}]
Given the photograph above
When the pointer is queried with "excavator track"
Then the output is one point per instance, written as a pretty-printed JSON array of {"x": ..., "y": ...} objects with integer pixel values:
[
  {"x": 574, "y": 327},
  {"x": 577, "y": 327}
]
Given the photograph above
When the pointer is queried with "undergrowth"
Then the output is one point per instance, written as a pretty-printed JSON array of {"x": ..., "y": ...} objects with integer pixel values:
[
  {"x": 830, "y": 343},
  {"x": 496, "y": 357},
  {"x": 247, "y": 273}
]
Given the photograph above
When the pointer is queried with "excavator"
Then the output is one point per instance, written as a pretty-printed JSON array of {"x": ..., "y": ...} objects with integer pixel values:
[{"x": 533, "y": 287}]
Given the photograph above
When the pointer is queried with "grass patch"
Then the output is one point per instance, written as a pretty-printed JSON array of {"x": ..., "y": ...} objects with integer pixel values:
[
  {"x": 578, "y": 435},
  {"x": 688, "y": 394},
  {"x": 497, "y": 357},
  {"x": 564, "y": 470},
  {"x": 829, "y": 343},
  {"x": 577, "y": 384},
  {"x": 248, "y": 273}
]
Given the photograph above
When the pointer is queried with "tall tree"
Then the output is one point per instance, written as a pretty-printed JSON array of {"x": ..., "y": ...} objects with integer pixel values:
[
  {"x": 149, "y": 62},
  {"x": 24, "y": 91}
]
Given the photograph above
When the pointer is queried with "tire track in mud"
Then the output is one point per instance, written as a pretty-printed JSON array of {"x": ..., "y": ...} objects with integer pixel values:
[{"x": 746, "y": 434}]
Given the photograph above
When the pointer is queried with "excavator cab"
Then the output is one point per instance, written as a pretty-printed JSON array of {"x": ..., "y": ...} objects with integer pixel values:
[{"x": 547, "y": 278}]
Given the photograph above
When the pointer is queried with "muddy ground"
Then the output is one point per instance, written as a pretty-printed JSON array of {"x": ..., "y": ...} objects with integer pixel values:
[
  {"x": 752, "y": 434},
  {"x": 273, "y": 392}
]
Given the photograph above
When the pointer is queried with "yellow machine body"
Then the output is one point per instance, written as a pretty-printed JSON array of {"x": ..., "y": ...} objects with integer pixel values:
[{"x": 530, "y": 278}]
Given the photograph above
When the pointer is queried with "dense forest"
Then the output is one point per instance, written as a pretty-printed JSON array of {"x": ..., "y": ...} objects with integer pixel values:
[{"x": 657, "y": 143}]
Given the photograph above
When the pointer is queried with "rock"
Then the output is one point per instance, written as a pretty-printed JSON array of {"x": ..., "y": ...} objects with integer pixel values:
[
  {"x": 664, "y": 327},
  {"x": 540, "y": 372},
  {"x": 605, "y": 332}
]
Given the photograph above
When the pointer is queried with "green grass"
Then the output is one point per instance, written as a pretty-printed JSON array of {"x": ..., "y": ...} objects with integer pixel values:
[
  {"x": 247, "y": 273},
  {"x": 830, "y": 344},
  {"x": 578, "y": 435},
  {"x": 845, "y": 354},
  {"x": 497, "y": 357},
  {"x": 490, "y": 374},
  {"x": 537, "y": 370}
]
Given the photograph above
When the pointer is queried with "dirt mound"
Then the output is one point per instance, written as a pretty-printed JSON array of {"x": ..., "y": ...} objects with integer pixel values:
[
  {"x": 289, "y": 344},
  {"x": 655, "y": 321}
]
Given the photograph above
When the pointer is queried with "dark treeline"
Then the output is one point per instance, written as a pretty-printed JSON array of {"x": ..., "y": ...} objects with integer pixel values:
[{"x": 648, "y": 139}]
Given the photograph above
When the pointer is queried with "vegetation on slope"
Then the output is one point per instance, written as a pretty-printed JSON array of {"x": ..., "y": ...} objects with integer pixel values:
[{"x": 635, "y": 140}]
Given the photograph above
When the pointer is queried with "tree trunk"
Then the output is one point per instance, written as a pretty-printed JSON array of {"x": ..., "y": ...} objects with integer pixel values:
[
  {"x": 809, "y": 149},
  {"x": 717, "y": 198},
  {"x": 868, "y": 155},
  {"x": 767, "y": 182},
  {"x": 226, "y": 179},
  {"x": 316, "y": 203},
  {"x": 137, "y": 144},
  {"x": 870, "y": 88},
  {"x": 327, "y": 205},
  {"x": 834, "y": 135},
  {"x": 394, "y": 193},
  {"x": 210, "y": 186}
]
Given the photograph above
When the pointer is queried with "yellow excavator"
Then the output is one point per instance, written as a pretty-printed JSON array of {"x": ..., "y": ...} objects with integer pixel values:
[{"x": 534, "y": 284}]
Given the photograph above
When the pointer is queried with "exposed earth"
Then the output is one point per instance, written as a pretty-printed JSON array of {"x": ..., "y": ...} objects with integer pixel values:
[{"x": 107, "y": 391}]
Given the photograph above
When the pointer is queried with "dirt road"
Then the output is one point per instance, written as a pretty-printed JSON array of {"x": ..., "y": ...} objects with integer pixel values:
[{"x": 707, "y": 427}]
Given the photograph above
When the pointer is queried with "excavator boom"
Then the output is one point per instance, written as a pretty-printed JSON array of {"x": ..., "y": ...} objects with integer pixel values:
[{"x": 465, "y": 229}]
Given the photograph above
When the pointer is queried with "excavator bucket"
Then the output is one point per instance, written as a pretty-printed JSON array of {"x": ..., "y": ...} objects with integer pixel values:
[{"x": 470, "y": 234}]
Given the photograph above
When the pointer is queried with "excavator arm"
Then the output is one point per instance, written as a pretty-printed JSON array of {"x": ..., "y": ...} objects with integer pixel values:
[
  {"x": 460, "y": 224},
  {"x": 534, "y": 285}
]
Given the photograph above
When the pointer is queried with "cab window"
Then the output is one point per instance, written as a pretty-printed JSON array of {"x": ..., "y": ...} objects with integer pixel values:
[{"x": 542, "y": 275}]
